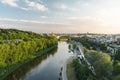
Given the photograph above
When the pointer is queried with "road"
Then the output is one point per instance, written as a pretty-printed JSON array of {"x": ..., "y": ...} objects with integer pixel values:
[
  {"x": 64, "y": 74},
  {"x": 80, "y": 55},
  {"x": 78, "y": 52}
]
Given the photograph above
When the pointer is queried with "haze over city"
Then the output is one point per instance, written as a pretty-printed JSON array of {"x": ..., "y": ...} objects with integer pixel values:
[{"x": 69, "y": 16}]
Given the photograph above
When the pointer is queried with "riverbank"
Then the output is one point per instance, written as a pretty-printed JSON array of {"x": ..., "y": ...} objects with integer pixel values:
[
  {"x": 18, "y": 65},
  {"x": 70, "y": 70}
]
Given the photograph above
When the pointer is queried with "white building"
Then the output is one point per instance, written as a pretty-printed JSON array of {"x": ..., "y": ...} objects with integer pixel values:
[
  {"x": 113, "y": 48},
  {"x": 103, "y": 39}
]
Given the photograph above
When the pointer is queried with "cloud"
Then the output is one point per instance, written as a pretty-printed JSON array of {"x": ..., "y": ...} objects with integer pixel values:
[
  {"x": 18, "y": 20},
  {"x": 68, "y": 7},
  {"x": 32, "y": 25},
  {"x": 36, "y": 5},
  {"x": 75, "y": 25},
  {"x": 10, "y": 2},
  {"x": 93, "y": 25},
  {"x": 29, "y": 5},
  {"x": 30, "y": 21},
  {"x": 63, "y": 6},
  {"x": 26, "y": 9},
  {"x": 13, "y": 3},
  {"x": 84, "y": 21},
  {"x": 43, "y": 17}
]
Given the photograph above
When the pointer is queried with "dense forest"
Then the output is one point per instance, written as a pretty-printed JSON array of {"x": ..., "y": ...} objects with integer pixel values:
[
  {"x": 102, "y": 63},
  {"x": 17, "y": 47},
  {"x": 81, "y": 71}
]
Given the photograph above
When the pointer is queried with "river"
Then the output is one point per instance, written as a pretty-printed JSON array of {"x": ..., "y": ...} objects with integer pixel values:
[{"x": 47, "y": 67}]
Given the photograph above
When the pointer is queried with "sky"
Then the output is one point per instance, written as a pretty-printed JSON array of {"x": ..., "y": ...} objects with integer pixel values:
[{"x": 61, "y": 16}]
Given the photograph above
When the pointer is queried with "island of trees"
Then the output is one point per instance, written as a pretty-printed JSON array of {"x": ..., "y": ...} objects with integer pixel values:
[{"x": 18, "y": 47}]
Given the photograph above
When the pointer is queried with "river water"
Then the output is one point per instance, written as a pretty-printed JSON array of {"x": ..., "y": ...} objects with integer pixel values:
[{"x": 47, "y": 67}]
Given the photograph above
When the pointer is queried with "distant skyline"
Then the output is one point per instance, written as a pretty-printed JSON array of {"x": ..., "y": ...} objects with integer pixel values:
[{"x": 61, "y": 16}]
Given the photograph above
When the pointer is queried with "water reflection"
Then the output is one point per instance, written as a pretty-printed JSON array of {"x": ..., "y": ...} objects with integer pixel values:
[
  {"x": 30, "y": 65},
  {"x": 47, "y": 67}
]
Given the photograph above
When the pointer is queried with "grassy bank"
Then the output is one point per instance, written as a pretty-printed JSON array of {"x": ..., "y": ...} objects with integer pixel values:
[
  {"x": 22, "y": 62},
  {"x": 70, "y": 71},
  {"x": 77, "y": 71}
]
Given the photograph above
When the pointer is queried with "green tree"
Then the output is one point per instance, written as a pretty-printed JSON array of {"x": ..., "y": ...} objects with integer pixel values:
[
  {"x": 117, "y": 68},
  {"x": 117, "y": 55},
  {"x": 117, "y": 77},
  {"x": 82, "y": 71},
  {"x": 21, "y": 46},
  {"x": 101, "y": 62}
]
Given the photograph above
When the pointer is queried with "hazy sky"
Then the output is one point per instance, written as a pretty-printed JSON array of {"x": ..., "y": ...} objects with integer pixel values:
[{"x": 97, "y": 16}]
